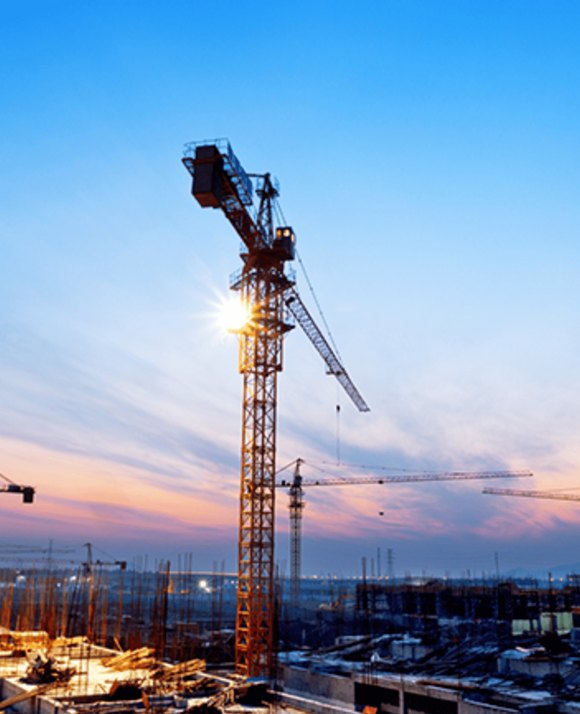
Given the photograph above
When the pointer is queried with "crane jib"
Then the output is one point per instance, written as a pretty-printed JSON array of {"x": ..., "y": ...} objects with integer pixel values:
[{"x": 335, "y": 367}]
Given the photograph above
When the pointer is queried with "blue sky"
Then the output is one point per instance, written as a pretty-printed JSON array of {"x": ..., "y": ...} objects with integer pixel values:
[{"x": 428, "y": 155}]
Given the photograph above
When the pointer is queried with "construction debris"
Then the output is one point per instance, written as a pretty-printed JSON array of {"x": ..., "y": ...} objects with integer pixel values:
[
  {"x": 142, "y": 658},
  {"x": 14, "y": 640},
  {"x": 179, "y": 672},
  {"x": 44, "y": 669},
  {"x": 88, "y": 679}
]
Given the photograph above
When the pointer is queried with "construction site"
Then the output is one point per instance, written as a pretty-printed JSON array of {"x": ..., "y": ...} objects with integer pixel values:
[
  {"x": 110, "y": 636},
  {"x": 124, "y": 640}
]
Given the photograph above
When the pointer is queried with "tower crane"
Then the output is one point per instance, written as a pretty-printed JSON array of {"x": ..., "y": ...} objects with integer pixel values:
[
  {"x": 556, "y": 495},
  {"x": 89, "y": 564},
  {"x": 296, "y": 502},
  {"x": 11, "y": 487},
  {"x": 268, "y": 294}
]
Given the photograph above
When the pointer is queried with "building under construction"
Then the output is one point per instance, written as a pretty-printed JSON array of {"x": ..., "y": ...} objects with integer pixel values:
[{"x": 408, "y": 646}]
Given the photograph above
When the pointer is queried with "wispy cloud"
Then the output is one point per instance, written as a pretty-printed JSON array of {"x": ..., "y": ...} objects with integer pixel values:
[{"x": 138, "y": 419}]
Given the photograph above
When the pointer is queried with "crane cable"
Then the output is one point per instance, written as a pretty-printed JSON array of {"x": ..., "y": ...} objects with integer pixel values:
[
  {"x": 322, "y": 317},
  {"x": 280, "y": 212},
  {"x": 333, "y": 343},
  {"x": 338, "y": 461},
  {"x": 8, "y": 480}
]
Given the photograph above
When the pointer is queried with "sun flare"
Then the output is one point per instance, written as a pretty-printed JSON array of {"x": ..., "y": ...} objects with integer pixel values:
[{"x": 233, "y": 314}]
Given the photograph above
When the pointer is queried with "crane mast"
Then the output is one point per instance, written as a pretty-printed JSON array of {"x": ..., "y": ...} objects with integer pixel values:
[
  {"x": 262, "y": 287},
  {"x": 296, "y": 510},
  {"x": 267, "y": 292}
]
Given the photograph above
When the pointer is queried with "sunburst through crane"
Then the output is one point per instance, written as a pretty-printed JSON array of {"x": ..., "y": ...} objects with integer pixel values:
[{"x": 267, "y": 290}]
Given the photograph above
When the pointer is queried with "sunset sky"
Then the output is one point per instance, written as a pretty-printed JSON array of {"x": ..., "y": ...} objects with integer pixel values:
[{"x": 428, "y": 154}]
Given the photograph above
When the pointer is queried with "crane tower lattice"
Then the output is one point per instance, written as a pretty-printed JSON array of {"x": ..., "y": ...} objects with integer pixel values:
[{"x": 267, "y": 291}]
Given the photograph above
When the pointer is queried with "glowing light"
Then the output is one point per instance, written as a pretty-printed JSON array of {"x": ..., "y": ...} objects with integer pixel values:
[
  {"x": 233, "y": 314},
  {"x": 203, "y": 585}
]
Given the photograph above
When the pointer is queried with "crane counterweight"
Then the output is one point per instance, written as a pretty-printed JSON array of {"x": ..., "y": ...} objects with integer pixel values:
[
  {"x": 208, "y": 177},
  {"x": 11, "y": 487}
]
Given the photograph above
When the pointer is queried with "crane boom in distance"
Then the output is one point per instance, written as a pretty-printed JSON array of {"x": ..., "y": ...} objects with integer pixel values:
[
  {"x": 296, "y": 501},
  {"x": 555, "y": 495}
]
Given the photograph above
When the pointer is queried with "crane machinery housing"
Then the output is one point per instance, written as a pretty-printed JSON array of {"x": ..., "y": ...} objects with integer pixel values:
[
  {"x": 296, "y": 502},
  {"x": 268, "y": 294}
]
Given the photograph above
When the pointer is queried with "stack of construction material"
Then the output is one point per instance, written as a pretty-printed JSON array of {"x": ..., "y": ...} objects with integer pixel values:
[
  {"x": 142, "y": 658},
  {"x": 181, "y": 671},
  {"x": 15, "y": 640}
]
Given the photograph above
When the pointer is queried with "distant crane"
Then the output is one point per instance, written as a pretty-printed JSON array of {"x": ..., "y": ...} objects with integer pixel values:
[
  {"x": 268, "y": 294},
  {"x": 556, "y": 495},
  {"x": 89, "y": 564},
  {"x": 11, "y": 487},
  {"x": 296, "y": 500},
  {"x": 89, "y": 568}
]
